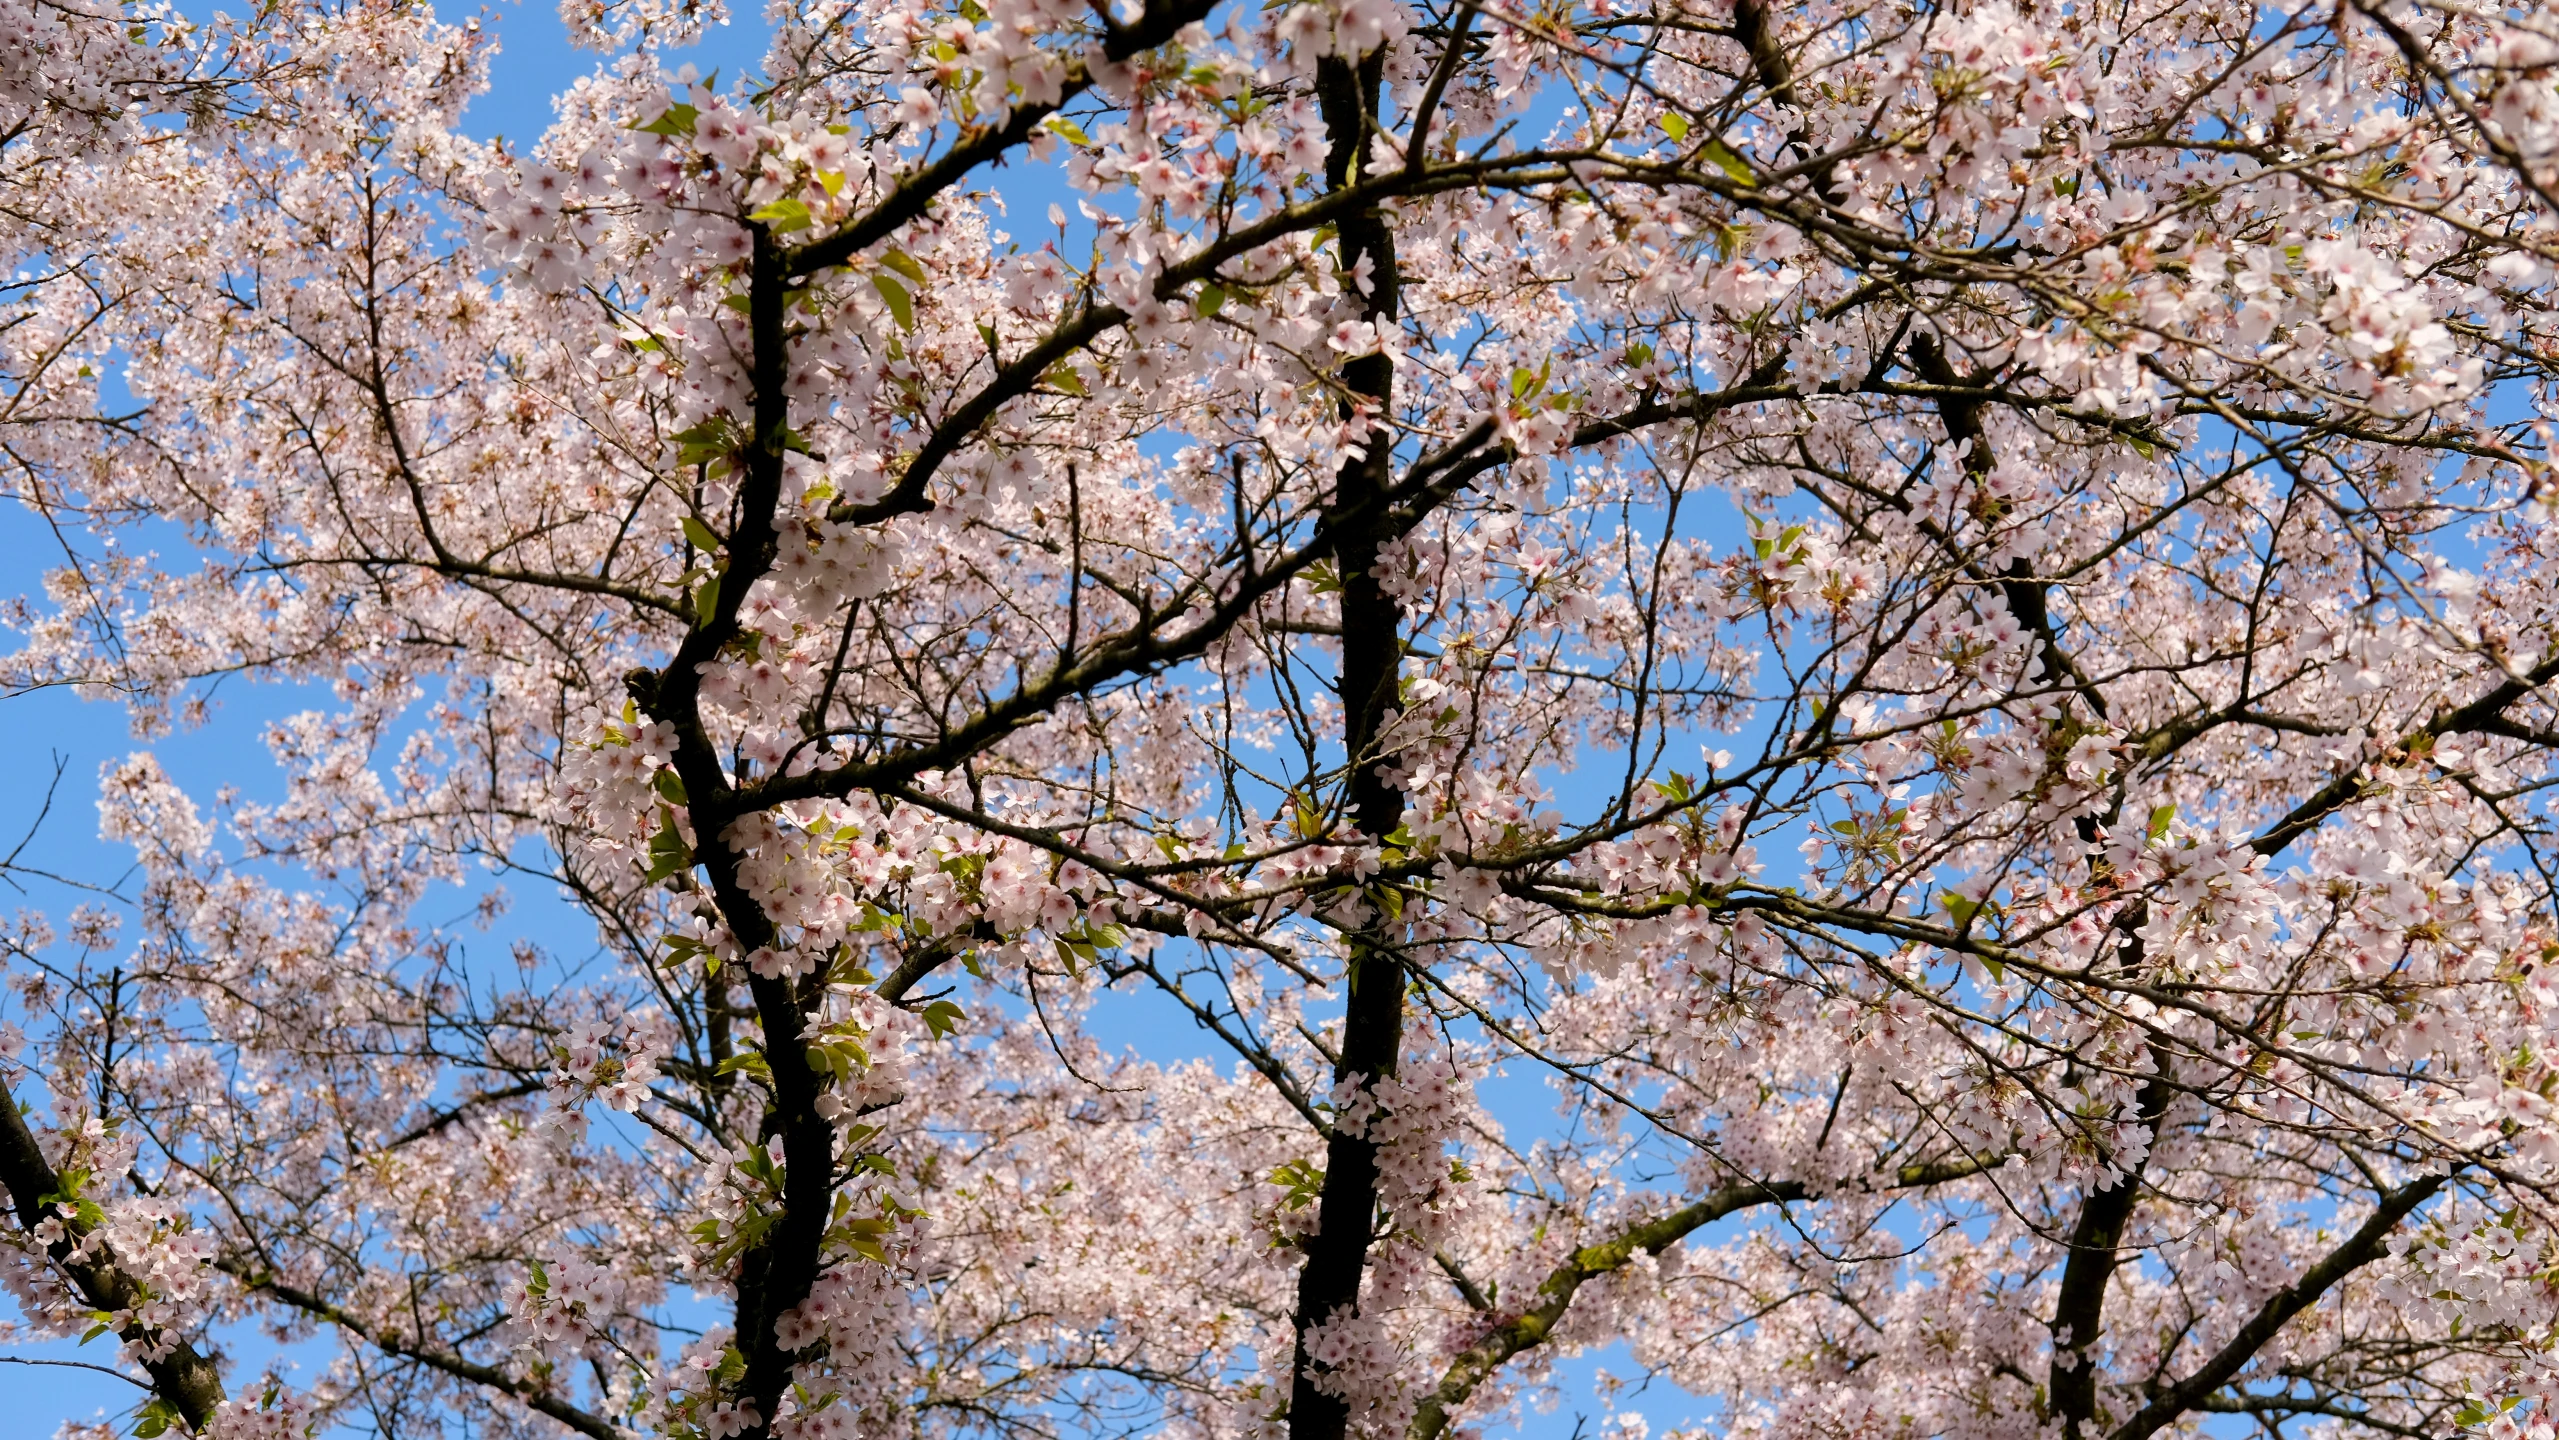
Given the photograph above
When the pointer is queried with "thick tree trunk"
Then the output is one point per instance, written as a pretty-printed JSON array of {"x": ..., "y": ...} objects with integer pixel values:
[
  {"x": 776, "y": 1274},
  {"x": 1372, "y": 651}
]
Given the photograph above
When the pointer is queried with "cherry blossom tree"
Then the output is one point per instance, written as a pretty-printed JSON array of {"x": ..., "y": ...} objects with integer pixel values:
[
  {"x": 1940, "y": 616},
  {"x": 102, "y": 110}
]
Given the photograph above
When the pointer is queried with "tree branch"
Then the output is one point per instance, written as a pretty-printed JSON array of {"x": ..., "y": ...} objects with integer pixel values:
[
  {"x": 187, "y": 1380},
  {"x": 2079, "y": 1310},
  {"x": 582, "y": 1421},
  {"x": 1477, "y": 1362},
  {"x": 2358, "y": 1250}
]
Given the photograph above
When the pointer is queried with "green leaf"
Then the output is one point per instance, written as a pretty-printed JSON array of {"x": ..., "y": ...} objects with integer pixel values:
[
  {"x": 701, "y": 536},
  {"x": 942, "y": 1017},
  {"x": 1062, "y": 376},
  {"x": 671, "y": 786},
  {"x": 904, "y": 264},
  {"x": 1303, "y": 1181},
  {"x": 750, "y": 1062},
  {"x": 710, "y": 440},
  {"x": 706, "y": 600},
  {"x": 784, "y": 216},
  {"x": 72, "y": 1180},
  {"x": 1066, "y": 130},
  {"x": 1212, "y": 299},
  {"x": 841, "y": 1056},
  {"x": 1675, "y": 125},
  {"x": 1308, "y": 820},
  {"x": 1723, "y": 157},
  {"x": 669, "y": 856},
  {"x": 678, "y": 120},
  {"x": 900, "y": 303},
  {"x": 2160, "y": 818}
]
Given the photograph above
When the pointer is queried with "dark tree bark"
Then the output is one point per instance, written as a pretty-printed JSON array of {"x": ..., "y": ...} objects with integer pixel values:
[{"x": 1372, "y": 651}]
